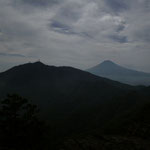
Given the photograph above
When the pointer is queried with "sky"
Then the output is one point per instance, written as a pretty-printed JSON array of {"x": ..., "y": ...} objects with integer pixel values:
[{"x": 77, "y": 33}]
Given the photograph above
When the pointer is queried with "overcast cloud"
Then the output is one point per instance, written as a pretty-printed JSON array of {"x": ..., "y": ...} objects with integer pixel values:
[{"x": 78, "y": 33}]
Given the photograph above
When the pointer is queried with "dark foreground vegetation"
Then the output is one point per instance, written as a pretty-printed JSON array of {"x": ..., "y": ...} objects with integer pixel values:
[
  {"x": 20, "y": 127},
  {"x": 123, "y": 125},
  {"x": 78, "y": 111}
]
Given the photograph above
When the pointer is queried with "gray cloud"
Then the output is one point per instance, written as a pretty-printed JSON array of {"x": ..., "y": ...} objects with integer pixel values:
[
  {"x": 37, "y": 3},
  {"x": 12, "y": 55},
  {"x": 80, "y": 33},
  {"x": 120, "y": 39},
  {"x": 117, "y": 5}
]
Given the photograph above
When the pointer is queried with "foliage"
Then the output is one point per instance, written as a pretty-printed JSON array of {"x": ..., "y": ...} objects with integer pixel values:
[{"x": 20, "y": 127}]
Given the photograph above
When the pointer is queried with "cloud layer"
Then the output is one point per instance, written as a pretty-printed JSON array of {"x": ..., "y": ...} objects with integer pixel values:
[{"x": 78, "y": 33}]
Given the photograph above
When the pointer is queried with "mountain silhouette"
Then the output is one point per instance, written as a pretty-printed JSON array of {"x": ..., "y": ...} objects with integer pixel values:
[
  {"x": 35, "y": 79},
  {"x": 50, "y": 86},
  {"x": 111, "y": 70},
  {"x": 73, "y": 101}
]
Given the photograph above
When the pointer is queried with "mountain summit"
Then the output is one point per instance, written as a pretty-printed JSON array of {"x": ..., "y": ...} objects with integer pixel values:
[
  {"x": 107, "y": 62},
  {"x": 119, "y": 73}
]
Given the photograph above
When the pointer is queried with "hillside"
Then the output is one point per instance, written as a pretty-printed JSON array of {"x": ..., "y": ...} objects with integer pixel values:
[
  {"x": 37, "y": 79},
  {"x": 72, "y": 101},
  {"x": 128, "y": 126}
]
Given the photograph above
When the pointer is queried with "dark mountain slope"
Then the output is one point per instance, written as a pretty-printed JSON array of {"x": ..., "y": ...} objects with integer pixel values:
[
  {"x": 116, "y": 72},
  {"x": 63, "y": 89},
  {"x": 127, "y": 128},
  {"x": 37, "y": 78},
  {"x": 71, "y": 100}
]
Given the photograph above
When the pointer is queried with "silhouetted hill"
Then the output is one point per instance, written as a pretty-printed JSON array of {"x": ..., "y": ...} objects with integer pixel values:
[
  {"x": 72, "y": 101},
  {"x": 37, "y": 78},
  {"x": 59, "y": 90},
  {"x": 116, "y": 72}
]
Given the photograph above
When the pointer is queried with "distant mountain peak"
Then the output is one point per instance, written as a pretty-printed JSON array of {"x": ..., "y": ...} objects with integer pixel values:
[
  {"x": 111, "y": 70},
  {"x": 107, "y": 62}
]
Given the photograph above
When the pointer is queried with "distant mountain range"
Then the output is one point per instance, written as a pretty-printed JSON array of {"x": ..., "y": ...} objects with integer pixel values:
[{"x": 111, "y": 70}]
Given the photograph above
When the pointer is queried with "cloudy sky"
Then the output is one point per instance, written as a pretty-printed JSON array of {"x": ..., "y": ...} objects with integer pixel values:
[{"x": 78, "y": 33}]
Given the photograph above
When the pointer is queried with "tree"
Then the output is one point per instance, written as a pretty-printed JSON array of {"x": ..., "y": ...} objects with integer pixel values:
[{"x": 20, "y": 127}]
